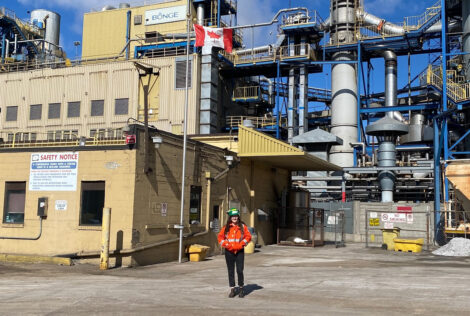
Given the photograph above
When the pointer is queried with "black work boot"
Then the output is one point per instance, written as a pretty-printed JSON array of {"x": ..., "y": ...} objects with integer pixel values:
[
  {"x": 241, "y": 293},
  {"x": 232, "y": 292}
]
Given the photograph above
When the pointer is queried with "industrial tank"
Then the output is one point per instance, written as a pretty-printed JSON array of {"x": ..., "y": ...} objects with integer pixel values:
[{"x": 51, "y": 22}]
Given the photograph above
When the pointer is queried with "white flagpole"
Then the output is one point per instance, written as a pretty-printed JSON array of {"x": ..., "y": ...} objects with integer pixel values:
[{"x": 185, "y": 132}]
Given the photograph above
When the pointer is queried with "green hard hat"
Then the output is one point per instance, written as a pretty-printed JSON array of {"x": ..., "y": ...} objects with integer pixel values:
[{"x": 233, "y": 212}]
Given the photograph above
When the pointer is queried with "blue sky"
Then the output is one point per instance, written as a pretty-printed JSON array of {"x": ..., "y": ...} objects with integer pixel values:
[{"x": 250, "y": 11}]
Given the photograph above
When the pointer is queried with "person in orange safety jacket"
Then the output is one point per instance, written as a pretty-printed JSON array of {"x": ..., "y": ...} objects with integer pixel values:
[{"x": 234, "y": 236}]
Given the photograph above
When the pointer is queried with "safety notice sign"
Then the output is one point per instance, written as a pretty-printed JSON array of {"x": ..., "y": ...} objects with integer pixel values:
[
  {"x": 394, "y": 217},
  {"x": 53, "y": 171}
]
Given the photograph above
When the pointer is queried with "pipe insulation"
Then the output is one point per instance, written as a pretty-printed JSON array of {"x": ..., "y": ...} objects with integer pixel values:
[
  {"x": 380, "y": 24},
  {"x": 343, "y": 109},
  {"x": 391, "y": 83},
  {"x": 200, "y": 14}
]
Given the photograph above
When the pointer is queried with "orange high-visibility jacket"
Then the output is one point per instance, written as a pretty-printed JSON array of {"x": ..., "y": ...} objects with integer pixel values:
[{"x": 235, "y": 239}]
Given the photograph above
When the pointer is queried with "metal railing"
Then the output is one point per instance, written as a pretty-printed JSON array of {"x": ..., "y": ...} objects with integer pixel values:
[
  {"x": 22, "y": 23},
  {"x": 457, "y": 91},
  {"x": 300, "y": 18},
  {"x": 245, "y": 93},
  {"x": 27, "y": 139},
  {"x": 251, "y": 57},
  {"x": 412, "y": 23},
  {"x": 297, "y": 51},
  {"x": 258, "y": 121}
]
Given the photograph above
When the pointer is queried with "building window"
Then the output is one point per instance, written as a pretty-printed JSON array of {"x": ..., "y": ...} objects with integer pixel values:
[
  {"x": 35, "y": 112},
  {"x": 12, "y": 113},
  {"x": 121, "y": 106},
  {"x": 53, "y": 111},
  {"x": 180, "y": 73},
  {"x": 13, "y": 211},
  {"x": 73, "y": 109},
  {"x": 50, "y": 135},
  {"x": 195, "y": 205},
  {"x": 92, "y": 202},
  {"x": 97, "y": 108}
]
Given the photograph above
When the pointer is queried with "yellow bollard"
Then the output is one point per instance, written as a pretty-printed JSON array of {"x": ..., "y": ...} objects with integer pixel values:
[{"x": 105, "y": 226}]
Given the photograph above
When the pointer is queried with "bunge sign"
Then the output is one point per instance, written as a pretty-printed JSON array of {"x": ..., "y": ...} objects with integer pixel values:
[
  {"x": 53, "y": 171},
  {"x": 165, "y": 15}
]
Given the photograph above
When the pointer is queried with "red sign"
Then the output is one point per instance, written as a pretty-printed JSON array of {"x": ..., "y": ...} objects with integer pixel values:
[{"x": 404, "y": 209}]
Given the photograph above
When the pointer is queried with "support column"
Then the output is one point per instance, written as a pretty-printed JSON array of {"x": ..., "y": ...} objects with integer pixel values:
[
  {"x": 303, "y": 90},
  {"x": 209, "y": 95}
]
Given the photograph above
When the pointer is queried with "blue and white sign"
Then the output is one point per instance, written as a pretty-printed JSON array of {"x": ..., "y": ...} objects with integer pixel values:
[
  {"x": 53, "y": 171},
  {"x": 165, "y": 15}
]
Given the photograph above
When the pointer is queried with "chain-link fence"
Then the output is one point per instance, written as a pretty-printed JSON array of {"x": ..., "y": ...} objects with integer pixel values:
[
  {"x": 383, "y": 226},
  {"x": 301, "y": 227}
]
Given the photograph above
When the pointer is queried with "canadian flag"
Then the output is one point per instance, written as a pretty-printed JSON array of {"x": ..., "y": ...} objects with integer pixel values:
[{"x": 207, "y": 37}]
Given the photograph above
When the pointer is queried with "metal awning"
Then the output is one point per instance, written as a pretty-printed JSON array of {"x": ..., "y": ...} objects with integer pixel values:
[{"x": 261, "y": 147}]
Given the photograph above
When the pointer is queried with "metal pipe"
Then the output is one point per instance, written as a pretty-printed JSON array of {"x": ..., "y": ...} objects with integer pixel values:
[
  {"x": 363, "y": 145},
  {"x": 274, "y": 20},
  {"x": 270, "y": 89},
  {"x": 3, "y": 47},
  {"x": 27, "y": 238},
  {"x": 15, "y": 46},
  {"x": 128, "y": 32},
  {"x": 7, "y": 48},
  {"x": 380, "y": 24},
  {"x": 391, "y": 83},
  {"x": 200, "y": 14},
  {"x": 185, "y": 134},
  {"x": 259, "y": 49}
]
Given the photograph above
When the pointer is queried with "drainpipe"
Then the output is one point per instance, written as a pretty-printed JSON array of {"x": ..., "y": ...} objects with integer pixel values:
[
  {"x": 128, "y": 33},
  {"x": 208, "y": 199}
]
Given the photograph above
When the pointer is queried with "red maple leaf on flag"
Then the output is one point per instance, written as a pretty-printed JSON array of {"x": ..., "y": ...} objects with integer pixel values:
[{"x": 213, "y": 35}]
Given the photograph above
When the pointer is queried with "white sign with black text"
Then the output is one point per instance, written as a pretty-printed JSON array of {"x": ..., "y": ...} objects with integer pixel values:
[{"x": 165, "y": 15}]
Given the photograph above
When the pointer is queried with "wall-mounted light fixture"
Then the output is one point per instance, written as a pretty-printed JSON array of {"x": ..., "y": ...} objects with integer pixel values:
[{"x": 157, "y": 140}]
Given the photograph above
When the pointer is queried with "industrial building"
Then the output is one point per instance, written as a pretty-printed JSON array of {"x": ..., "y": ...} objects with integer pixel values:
[{"x": 393, "y": 159}]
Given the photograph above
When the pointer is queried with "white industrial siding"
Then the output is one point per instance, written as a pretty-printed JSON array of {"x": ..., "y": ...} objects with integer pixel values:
[{"x": 108, "y": 82}]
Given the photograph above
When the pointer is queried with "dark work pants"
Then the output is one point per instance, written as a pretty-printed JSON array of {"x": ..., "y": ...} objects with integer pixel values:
[{"x": 231, "y": 259}]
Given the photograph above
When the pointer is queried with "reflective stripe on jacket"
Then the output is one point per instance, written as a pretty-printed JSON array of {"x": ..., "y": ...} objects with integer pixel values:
[{"x": 234, "y": 237}]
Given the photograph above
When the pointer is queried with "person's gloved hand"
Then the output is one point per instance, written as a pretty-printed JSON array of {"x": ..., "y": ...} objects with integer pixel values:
[
  {"x": 225, "y": 244},
  {"x": 238, "y": 246},
  {"x": 230, "y": 247}
]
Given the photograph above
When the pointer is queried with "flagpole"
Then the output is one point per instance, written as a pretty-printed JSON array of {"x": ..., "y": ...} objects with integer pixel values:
[{"x": 185, "y": 132}]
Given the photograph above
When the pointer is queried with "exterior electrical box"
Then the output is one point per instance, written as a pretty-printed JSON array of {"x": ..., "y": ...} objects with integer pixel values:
[{"x": 42, "y": 207}]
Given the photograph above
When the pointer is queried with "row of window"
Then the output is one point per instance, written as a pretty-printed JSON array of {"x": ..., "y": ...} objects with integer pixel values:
[
  {"x": 91, "y": 204},
  {"x": 121, "y": 107},
  {"x": 65, "y": 135}
]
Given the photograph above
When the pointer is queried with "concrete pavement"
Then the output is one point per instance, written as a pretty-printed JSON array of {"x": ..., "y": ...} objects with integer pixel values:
[{"x": 280, "y": 280}]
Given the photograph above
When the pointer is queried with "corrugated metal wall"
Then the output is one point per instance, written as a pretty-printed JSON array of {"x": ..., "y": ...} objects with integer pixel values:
[
  {"x": 104, "y": 32},
  {"x": 106, "y": 82}
]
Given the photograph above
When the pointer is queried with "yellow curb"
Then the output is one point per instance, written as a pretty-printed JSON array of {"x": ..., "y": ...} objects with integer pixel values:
[{"x": 35, "y": 259}]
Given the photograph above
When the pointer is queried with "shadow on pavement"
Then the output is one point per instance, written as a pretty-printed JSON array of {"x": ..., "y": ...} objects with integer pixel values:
[{"x": 248, "y": 288}]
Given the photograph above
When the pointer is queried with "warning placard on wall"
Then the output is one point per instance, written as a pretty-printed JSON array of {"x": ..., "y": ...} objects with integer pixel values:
[{"x": 53, "y": 171}]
